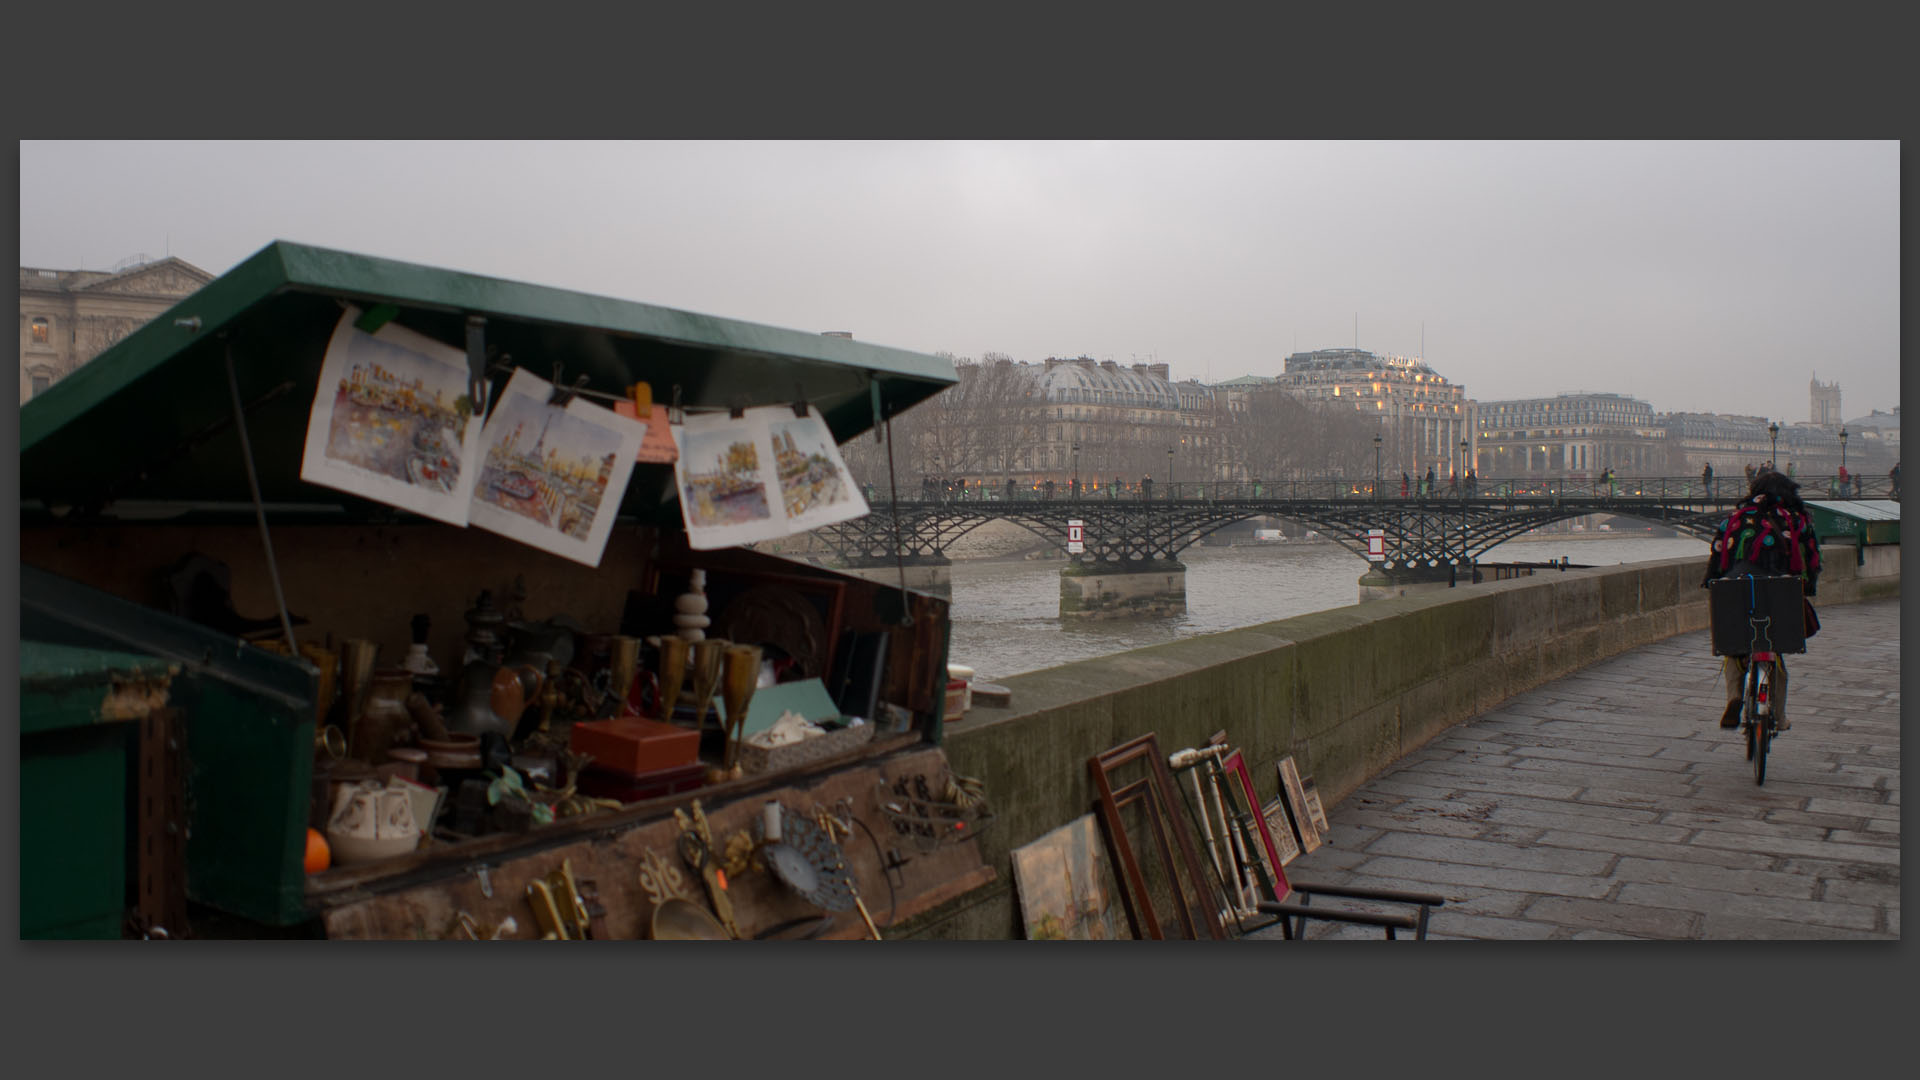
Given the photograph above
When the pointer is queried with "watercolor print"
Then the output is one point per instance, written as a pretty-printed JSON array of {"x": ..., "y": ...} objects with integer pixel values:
[
  {"x": 1067, "y": 888},
  {"x": 553, "y": 476},
  {"x": 391, "y": 421},
  {"x": 815, "y": 487},
  {"x": 725, "y": 480}
]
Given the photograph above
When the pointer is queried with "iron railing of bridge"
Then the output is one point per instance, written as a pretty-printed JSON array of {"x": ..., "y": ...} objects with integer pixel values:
[{"x": 1546, "y": 489}]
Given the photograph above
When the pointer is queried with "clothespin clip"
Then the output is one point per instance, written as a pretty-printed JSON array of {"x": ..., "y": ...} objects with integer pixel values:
[
  {"x": 641, "y": 394},
  {"x": 376, "y": 317},
  {"x": 737, "y": 410},
  {"x": 563, "y": 393},
  {"x": 477, "y": 363},
  {"x": 799, "y": 400}
]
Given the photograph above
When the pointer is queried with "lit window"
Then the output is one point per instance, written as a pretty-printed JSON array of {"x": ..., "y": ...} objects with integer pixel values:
[{"x": 41, "y": 331}]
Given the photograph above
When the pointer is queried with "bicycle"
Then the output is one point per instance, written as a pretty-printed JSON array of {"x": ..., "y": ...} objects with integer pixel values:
[
  {"x": 1763, "y": 702},
  {"x": 1759, "y": 616}
]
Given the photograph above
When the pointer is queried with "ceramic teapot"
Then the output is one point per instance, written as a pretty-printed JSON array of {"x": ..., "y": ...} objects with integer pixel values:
[{"x": 371, "y": 821}]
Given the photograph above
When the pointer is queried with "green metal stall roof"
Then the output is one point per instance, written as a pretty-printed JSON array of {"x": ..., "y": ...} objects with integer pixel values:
[
  {"x": 1864, "y": 521},
  {"x": 151, "y": 419}
]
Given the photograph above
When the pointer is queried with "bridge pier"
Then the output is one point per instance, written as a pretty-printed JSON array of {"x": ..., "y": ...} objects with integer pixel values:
[
  {"x": 1380, "y": 583},
  {"x": 1116, "y": 590}
]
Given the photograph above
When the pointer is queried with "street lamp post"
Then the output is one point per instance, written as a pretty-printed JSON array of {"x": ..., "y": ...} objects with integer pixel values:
[
  {"x": 1076, "y": 470},
  {"x": 1463, "y": 464},
  {"x": 1169, "y": 472},
  {"x": 1843, "y": 449},
  {"x": 1773, "y": 456},
  {"x": 1376, "y": 465}
]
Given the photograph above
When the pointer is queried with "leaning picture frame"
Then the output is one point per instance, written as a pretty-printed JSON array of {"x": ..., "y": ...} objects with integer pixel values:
[
  {"x": 1266, "y": 854},
  {"x": 1297, "y": 809}
]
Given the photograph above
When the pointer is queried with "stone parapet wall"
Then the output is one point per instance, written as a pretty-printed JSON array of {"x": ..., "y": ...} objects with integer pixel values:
[{"x": 1346, "y": 692}]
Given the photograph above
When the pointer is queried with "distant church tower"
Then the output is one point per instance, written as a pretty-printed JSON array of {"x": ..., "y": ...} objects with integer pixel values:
[{"x": 1825, "y": 399}]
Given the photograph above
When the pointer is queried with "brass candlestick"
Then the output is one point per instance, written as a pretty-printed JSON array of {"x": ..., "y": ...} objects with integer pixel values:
[
  {"x": 742, "y": 675},
  {"x": 623, "y": 666}
]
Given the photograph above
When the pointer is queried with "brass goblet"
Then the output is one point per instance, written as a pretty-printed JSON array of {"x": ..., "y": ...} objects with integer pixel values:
[
  {"x": 707, "y": 656},
  {"x": 736, "y": 690},
  {"x": 673, "y": 671}
]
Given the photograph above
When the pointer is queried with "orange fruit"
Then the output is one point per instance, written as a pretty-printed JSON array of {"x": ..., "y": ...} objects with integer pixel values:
[{"x": 319, "y": 855}]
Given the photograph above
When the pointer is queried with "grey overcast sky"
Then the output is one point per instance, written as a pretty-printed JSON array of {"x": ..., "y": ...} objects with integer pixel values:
[{"x": 1709, "y": 276}]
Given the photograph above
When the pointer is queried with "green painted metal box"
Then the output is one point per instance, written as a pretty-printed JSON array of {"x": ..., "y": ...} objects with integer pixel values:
[
  {"x": 76, "y": 706},
  {"x": 248, "y": 717},
  {"x": 1861, "y": 521}
]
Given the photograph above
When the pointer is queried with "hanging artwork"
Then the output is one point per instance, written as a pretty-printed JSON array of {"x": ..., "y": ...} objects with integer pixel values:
[
  {"x": 392, "y": 421},
  {"x": 553, "y": 475},
  {"x": 1067, "y": 888},
  {"x": 764, "y": 474}
]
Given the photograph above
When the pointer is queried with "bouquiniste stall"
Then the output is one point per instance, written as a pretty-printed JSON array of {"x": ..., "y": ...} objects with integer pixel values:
[{"x": 413, "y": 659}]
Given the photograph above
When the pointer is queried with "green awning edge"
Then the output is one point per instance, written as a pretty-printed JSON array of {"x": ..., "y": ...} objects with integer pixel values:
[{"x": 283, "y": 265}]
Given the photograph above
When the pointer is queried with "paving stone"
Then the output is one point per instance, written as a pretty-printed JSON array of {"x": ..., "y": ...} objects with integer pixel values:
[
  {"x": 1825, "y": 821},
  {"x": 1653, "y": 922},
  {"x": 1484, "y": 928},
  {"x": 1818, "y": 849},
  {"x": 1722, "y": 926},
  {"x": 1404, "y": 821},
  {"x": 1696, "y": 876},
  {"x": 1481, "y": 853},
  {"x": 1737, "y": 860},
  {"x": 1598, "y": 824},
  {"x": 1715, "y": 901},
  {"x": 1750, "y": 826},
  {"x": 1891, "y": 839},
  {"x": 1441, "y": 875},
  {"x": 1834, "y": 870},
  {"x": 1861, "y": 892}
]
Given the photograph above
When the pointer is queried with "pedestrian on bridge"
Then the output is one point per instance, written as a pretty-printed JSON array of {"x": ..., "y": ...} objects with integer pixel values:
[
  {"x": 1049, "y": 489},
  {"x": 1405, "y": 480},
  {"x": 1893, "y": 476},
  {"x": 1146, "y": 487},
  {"x": 1009, "y": 489},
  {"x": 1750, "y": 472},
  {"x": 1473, "y": 484},
  {"x": 1426, "y": 486},
  {"x": 1706, "y": 479}
]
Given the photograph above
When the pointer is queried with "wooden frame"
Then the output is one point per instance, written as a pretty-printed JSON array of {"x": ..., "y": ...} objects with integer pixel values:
[
  {"x": 1156, "y": 791},
  {"x": 1266, "y": 854},
  {"x": 1297, "y": 809}
]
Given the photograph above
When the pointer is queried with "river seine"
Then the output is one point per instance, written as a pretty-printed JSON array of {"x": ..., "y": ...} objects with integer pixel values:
[{"x": 1006, "y": 614}]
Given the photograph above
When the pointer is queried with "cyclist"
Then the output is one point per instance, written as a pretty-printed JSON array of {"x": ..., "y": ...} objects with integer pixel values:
[{"x": 1770, "y": 532}]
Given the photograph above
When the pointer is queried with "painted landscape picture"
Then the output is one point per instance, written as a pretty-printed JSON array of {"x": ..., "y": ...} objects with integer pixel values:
[
  {"x": 721, "y": 482},
  {"x": 1067, "y": 888},
  {"x": 392, "y": 421},
  {"x": 547, "y": 465},
  {"x": 811, "y": 474},
  {"x": 553, "y": 476}
]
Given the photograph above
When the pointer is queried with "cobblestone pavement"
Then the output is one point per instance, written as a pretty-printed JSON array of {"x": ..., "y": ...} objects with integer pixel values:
[{"x": 1610, "y": 804}]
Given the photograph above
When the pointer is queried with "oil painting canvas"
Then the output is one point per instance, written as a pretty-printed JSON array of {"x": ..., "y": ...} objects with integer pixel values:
[
  {"x": 1067, "y": 886},
  {"x": 553, "y": 475},
  {"x": 815, "y": 487},
  {"x": 392, "y": 421}
]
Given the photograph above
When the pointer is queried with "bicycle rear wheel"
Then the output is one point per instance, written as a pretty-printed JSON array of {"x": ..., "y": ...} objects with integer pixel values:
[{"x": 1761, "y": 732}]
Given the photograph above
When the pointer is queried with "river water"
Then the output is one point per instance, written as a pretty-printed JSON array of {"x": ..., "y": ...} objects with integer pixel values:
[{"x": 1006, "y": 614}]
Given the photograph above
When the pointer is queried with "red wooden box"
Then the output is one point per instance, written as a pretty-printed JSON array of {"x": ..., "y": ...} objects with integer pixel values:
[
  {"x": 628, "y": 787},
  {"x": 635, "y": 745}
]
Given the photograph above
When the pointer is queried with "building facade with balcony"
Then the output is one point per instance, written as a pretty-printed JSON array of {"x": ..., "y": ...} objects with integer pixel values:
[
  {"x": 1424, "y": 418},
  {"x": 1575, "y": 435}
]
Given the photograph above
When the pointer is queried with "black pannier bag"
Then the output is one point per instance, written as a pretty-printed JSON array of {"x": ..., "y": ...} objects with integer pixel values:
[{"x": 1756, "y": 614}]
